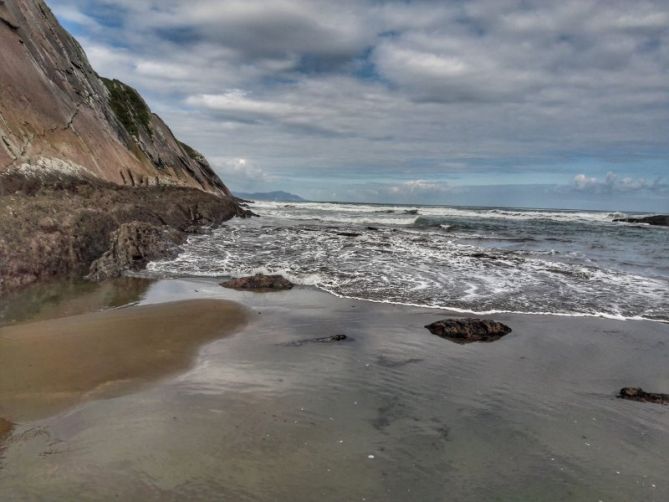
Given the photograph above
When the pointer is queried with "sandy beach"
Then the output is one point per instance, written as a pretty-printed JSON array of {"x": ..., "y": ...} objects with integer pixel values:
[
  {"x": 392, "y": 413},
  {"x": 47, "y": 366}
]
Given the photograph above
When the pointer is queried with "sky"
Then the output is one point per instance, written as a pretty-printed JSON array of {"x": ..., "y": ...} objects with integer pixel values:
[{"x": 525, "y": 103}]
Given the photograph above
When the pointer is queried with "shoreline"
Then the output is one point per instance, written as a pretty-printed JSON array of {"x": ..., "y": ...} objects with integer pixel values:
[
  {"x": 149, "y": 275},
  {"x": 250, "y": 414}
]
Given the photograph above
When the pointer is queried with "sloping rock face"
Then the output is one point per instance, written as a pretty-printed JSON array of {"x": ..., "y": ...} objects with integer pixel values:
[
  {"x": 469, "y": 330},
  {"x": 58, "y": 116}
]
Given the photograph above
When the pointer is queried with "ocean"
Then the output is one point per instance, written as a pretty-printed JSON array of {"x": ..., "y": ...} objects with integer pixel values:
[{"x": 478, "y": 260}]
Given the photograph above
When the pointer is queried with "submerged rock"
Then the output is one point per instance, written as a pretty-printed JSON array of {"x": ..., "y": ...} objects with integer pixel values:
[
  {"x": 322, "y": 339},
  {"x": 259, "y": 282},
  {"x": 349, "y": 234},
  {"x": 638, "y": 394},
  {"x": 469, "y": 330},
  {"x": 658, "y": 220}
]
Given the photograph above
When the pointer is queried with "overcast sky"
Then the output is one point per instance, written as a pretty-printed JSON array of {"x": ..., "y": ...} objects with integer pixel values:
[{"x": 537, "y": 103}]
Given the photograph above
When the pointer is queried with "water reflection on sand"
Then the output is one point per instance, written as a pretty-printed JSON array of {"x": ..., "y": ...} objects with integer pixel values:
[{"x": 397, "y": 414}]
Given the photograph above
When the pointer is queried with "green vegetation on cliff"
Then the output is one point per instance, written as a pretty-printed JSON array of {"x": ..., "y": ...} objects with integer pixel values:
[
  {"x": 192, "y": 152},
  {"x": 129, "y": 107}
]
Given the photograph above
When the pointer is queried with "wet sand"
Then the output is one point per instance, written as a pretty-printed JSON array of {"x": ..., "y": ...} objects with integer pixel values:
[
  {"x": 47, "y": 366},
  {"x": 392, "y": 414}
]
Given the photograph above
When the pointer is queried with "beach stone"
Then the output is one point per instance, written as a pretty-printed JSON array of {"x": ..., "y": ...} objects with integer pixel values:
[
  {"x": 638, "y": 394},
  {"x": 469, "y": 330},
  {"x": 260, "y": 282}
]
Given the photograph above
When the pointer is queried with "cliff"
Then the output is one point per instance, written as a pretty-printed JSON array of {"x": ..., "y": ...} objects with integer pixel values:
[
  {"x": 58, "y": 116},
  {"x": 92, "y": 183}
]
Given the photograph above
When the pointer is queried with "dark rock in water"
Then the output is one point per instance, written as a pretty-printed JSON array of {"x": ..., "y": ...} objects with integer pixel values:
[
  {"x": 373, "y": 229},
  {"x": 133, "y": 245},
  {"x": 259, "y": 282},
  {"x": 323, "y": 339},
  {"x": 469, "y": 330},
  {"x": 638, "y": 394},
  {"x": 349, "y": 234},
  {"x": 411, "y": 211},
  {"x": 658, "y": 220}
]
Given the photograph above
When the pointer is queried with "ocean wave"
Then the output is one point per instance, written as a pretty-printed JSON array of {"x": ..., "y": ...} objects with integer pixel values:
[
  {"x": 419, "y": 267},
  {"x": 443, "y": 211}
]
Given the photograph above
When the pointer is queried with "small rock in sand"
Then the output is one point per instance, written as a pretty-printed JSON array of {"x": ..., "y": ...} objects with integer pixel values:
[
  {"x": 469, "y": 330},
  {"x": 638, "y": 394}
]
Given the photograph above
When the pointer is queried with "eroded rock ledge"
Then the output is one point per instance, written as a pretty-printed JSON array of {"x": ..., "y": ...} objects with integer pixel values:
[{"x": 67, "y": 226}]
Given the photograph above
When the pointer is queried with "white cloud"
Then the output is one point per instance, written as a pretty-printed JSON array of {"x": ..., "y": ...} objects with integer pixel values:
[
  {"x": 410, "y": 88},
  {"x": 613, "y": 183}
]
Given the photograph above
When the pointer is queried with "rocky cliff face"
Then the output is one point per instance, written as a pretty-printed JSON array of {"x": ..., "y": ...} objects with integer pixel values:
[{"x": 58, "y": 116}]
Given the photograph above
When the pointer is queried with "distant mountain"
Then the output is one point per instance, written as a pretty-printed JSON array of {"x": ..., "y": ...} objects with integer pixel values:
[{"x": 277, "y": 196}]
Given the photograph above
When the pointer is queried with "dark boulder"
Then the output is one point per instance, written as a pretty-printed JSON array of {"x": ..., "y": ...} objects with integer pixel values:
[
  {"x": 349, "y": 234},
  {"x": 638, "y": 394},
  {"x": 469, "y": 330},
  {"x": 661, "y": 220},
  {"x": 259, "y": 282}
]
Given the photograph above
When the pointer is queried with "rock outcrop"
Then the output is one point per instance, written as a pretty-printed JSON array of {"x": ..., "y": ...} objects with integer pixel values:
[
  {"x": 91, "y": 181},
  {"x": 134, "y": 245},
  {"x": 638, "y": 394},
  {"x": 661, "y": 220},
  {"x": 58, "y": 116},
  {"x": 469, "y": 330},
  {"x": 259, "y": 282},
  {"x": 59, "y": 229}
]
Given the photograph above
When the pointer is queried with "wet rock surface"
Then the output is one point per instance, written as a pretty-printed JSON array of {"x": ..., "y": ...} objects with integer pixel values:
[
  {"x": 469, "y": 330},
  {"x": 260, "y": 282},
  {"x": 134, "y": 245},
  {"x": 658, "y": 220},
  {"x": 638, "y": 394},
  {"x": 57, "y": 227}
]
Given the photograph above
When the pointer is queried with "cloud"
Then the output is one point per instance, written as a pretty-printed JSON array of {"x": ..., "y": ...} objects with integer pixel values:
[
  {"x": 241, "y": 173},
  {"x": 613, "y": 183},
  {"x": 400, "y": 90}
]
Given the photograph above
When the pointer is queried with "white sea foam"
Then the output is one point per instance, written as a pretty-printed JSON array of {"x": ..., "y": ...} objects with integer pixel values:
[{"x": 554, "y": 271}]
